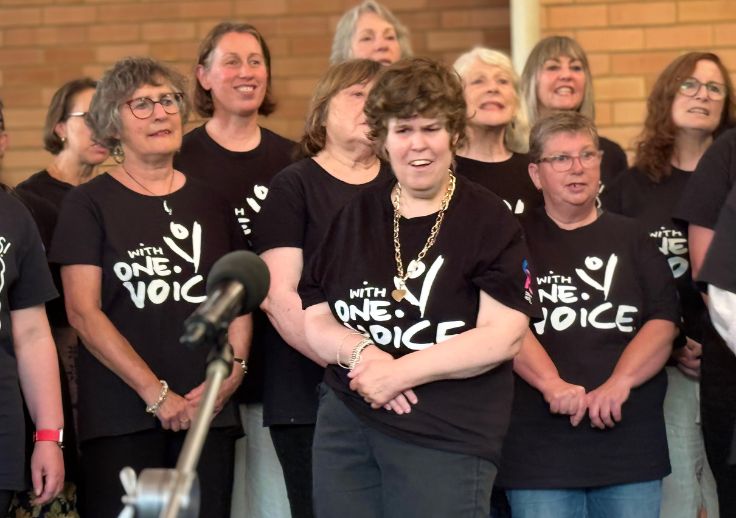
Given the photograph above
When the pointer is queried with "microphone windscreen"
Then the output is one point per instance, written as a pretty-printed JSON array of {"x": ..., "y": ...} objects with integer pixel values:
[{"x": 246, "y": 268}]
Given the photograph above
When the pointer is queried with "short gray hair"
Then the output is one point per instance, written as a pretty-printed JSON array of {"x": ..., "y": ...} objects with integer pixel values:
[
  {"x": 517, "y": 130},
  {"x": 559, "y": 122},
  {"x": 118, "y": 84},
  {"x": 342, "y": 41},
  {"x": 553, "y": 47}
]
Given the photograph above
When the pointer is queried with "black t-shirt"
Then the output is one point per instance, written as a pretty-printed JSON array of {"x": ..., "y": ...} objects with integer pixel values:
[
  {"x": 24, "y": 282},
  {"x": 633, "y": 194},
  {"x": 718, "y": 268},
  {"x": 708, "y": 187},
  {"x": 614, "y": 161},
  {"x": 242, "y": 178},
  {"x": 508, "y": 179},
  {"x": 43, "y": 195},
  {"x": 154, "y": 271},
  {"x": 301, "y": 204},
  {"x": 597, "y": 285},
  {"x": 354, "y": 271}
]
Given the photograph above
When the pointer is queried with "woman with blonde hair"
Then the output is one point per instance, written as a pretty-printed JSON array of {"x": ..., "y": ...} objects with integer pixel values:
[
  {"x": 494, "y": 154},
  {"x": 557, "y": 76}
]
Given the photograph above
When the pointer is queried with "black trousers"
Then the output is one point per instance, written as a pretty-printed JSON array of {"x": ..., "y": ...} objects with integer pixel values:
[
  {"x": 103, "y": 458},
  {"x": 293, "y": 445}
]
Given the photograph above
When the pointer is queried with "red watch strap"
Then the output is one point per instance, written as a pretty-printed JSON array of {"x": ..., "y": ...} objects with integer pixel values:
[{"x": 49, "y": 435}]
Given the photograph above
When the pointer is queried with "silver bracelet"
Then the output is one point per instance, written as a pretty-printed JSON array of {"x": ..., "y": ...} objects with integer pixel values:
[
  {"x": 339, "y": 349},
  {"x": 152, "y": 409},
  {"x": 357, "y": 351}
]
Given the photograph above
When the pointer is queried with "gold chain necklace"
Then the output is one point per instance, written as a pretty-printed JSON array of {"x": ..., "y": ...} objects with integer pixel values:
[
  {"x": 399, "y": 293},
  {"x": 167, "y": 209}
]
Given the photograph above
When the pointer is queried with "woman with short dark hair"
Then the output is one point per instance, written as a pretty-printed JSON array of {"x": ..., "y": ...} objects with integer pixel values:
[{"x": 416, "y": 300}]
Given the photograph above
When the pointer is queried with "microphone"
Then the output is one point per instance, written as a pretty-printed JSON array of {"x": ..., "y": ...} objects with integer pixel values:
[{"x": 238, "y": 282}]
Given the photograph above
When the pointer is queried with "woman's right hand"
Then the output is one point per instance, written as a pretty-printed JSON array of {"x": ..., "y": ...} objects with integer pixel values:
[
  {"x": 175, "y": 413},
  {"x": 565, "y": 398}
]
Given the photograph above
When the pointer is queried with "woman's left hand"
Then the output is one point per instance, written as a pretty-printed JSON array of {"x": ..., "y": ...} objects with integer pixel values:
[
  {"x": 47, "y": 471},
  {"x": 605, "y": 402},
  {"x": 227, "y": 389}
]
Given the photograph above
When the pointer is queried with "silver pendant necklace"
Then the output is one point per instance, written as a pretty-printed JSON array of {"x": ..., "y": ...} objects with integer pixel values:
[{"x": 164, "y": 201}]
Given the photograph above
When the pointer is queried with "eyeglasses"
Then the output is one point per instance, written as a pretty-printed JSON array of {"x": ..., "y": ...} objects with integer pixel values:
[
  {"x": 76, "y": 114},
  {"x": 142, "y": 107},
  {"x": 562, "y": 163},
  {"x": 691, "y": 86}
]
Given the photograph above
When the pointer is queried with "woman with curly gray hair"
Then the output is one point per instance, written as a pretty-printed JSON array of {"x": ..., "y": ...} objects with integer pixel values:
[
  {"x": 370, "y": 31},
  {"x": 135, "y": 246},
  {"x": 416, "y": 312}
]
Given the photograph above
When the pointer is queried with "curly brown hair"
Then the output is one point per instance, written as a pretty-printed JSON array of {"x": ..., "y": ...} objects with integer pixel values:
[
  {"x": 416, "y": 86},
  {"x": 656, "y": 143}
]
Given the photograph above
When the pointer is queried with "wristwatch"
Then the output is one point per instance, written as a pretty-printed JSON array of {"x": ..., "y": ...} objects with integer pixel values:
[{"x": 56, "y": 436}]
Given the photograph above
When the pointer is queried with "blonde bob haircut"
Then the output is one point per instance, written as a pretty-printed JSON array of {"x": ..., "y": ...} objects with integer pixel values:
[
  {"x": 342, "y": 42},
  {"x": 516, "y": 134},
  {"x": 553, "y": 47}
]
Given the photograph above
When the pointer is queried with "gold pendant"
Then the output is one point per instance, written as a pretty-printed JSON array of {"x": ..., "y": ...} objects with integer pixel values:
[{"x": 398, "y": 295}]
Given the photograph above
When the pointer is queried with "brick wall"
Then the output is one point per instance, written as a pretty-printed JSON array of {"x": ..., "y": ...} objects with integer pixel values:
[
  {"x": 629, "y": 43},
  {"x": 44, "y": 43}
]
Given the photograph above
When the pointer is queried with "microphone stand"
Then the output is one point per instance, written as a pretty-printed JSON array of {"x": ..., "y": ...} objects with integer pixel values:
[
  {"x": 219, "y": 367},
  {"x": 174, "y": 493}
]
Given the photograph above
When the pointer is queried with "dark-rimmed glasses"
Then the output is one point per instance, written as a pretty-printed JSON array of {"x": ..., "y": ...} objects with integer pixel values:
[
  {"x": 142, "y": 107},
  {"x": 562, "y": 163},
  {"x": 690, "y": 87}
]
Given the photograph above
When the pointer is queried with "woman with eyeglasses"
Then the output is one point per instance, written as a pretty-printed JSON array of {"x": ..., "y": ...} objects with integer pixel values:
[
  {"x": 587, "y": 435},
  {"x": 75, "y": 155},
  {"x": 690, "y": 104},
  {"x": 135, "y": 247},
  {"x": 557, "y": 76}
]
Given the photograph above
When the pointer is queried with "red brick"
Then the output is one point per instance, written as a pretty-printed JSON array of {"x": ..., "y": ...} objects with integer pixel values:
[
  {"x": 114, "y": 33},
  {"x": 611, "y": 39},
  {"x": 679, "y": 37},
  {"x": 453, "y": 40},
  {"x": 576, "y": 16},
  {"x": 476, "y": 18},
  {"x": 19, "y": 17},
  {"x": 642, "y": 13},
  {"x": 21, "y": 57},
  {"x": 69, "y": 15},
  {"x": 710, "y": 11}
]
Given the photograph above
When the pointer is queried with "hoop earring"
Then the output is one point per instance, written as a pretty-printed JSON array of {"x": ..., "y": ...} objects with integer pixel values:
[{"x": 118, "y": 154}]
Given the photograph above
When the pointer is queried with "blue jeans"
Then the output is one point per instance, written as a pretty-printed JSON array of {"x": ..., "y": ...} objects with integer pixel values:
[
  {"x": 638, "y": 500},
  {"x": 360, "y": 472}
]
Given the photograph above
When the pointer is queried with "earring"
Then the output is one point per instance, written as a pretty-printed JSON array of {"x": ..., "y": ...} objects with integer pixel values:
[
  {"x": 63, "y": 140},
  {"x": 118, "y": 154}
]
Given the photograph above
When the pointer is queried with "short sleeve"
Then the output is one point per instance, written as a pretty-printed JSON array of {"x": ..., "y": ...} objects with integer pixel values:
[
  {"x": 283, "y": 218},
  {"x": 310, "y": 285},
  {"x": 706, "y": 191},
  {"x": 718, "y": 267},
  {"x": 505, "y": 272},
  {"x": 79, "y": 234},
  {"x": 34, "y": 285},
  {"x": 658, "y": 285}
]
